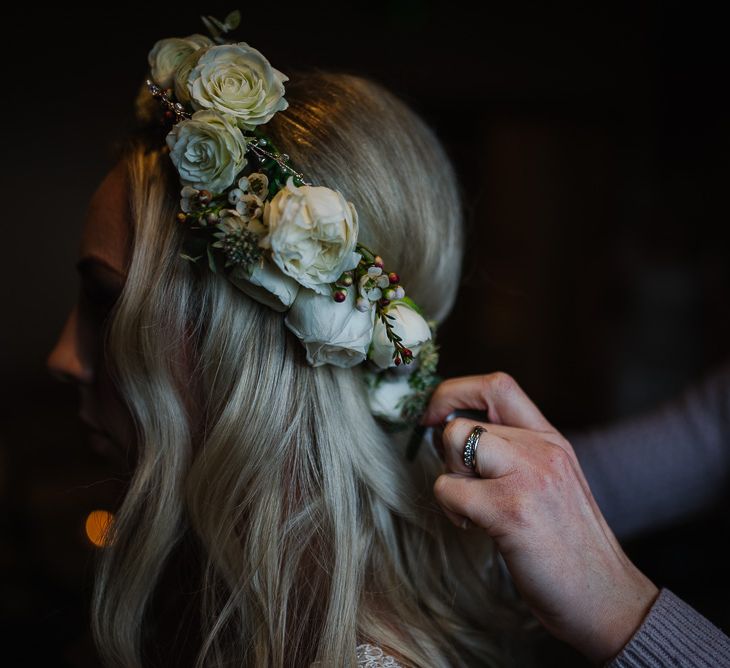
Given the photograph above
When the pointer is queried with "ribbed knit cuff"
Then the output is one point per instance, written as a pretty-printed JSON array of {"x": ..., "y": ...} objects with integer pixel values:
[{"x": 673, "y": 633}]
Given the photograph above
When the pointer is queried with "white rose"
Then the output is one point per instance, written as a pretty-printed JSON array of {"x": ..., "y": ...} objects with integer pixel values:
[
  {"x": 207, "y": 150},
  {"x": 386, "y": 395},
  {"x": 237, "y": 79},
  {"x": 409, "y": 325},
  {"x": 167, "y": 55},
  {"x": 332, "y": 332},
  {"x": 312, "y": 234},
  {"x": 267, "y": 285},
  {"x": 182, "y": 73}
]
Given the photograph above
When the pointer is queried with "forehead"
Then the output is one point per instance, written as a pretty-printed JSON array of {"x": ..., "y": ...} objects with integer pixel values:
[{"x": 107, "y": 230}]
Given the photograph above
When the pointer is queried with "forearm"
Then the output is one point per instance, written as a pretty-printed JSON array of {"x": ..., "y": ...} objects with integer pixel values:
[{"x": 654, "y": 469}]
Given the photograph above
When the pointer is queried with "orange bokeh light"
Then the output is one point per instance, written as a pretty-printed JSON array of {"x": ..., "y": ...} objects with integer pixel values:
[{"x": 97, "y": 525}]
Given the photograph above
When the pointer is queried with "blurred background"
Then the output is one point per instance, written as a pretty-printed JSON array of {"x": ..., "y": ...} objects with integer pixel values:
[{"x": 592, "y": 143}]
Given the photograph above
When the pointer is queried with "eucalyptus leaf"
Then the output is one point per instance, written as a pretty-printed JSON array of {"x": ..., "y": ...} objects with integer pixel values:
[
  {"x": 215, "y": 32},
  {"x": 211, "y": 259},
  {"x": 233, "y": 20},
  {"x": 218, "y": 24}
]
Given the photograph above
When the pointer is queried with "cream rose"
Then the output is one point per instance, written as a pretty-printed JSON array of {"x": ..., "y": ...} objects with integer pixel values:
[
  {"x": 408, "y": 324},
  {"x": 207, "y": 150},
  {"x": 236, "y": 79},
  {"x": 386, "y": 396},
  {"x": 167, "y": 55},
  {"x": 182, "y": 73},
  {"x": 332, "y": 332},
  {"x": 267, "y": 285},
  {"x": 312, "y": 234}
]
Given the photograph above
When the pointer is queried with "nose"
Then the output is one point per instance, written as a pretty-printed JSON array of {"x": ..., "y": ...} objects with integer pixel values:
[{"x": 69, "y": 360}]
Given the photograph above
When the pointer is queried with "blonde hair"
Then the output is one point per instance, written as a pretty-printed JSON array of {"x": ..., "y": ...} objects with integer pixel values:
[{"x": 313, "y": 531}]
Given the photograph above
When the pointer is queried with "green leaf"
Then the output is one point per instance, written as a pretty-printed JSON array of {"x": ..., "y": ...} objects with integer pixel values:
[
  {"x": 218, "y": 24},
  {"x": 233, "y": 20},
  {"x": 211, "y": 259},
  {"x": 210, "y": 26},
  {"x": 184, "y": 256},
  {"x": 407, "y": 300}
]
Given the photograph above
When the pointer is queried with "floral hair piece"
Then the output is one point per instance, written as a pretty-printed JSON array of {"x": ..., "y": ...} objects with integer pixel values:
[{"x": 250, "y": 215}]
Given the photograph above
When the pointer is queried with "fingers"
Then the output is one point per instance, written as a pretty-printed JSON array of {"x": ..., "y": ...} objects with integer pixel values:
[
  {"x": 530, "y": 437},
  {"x": 462, "y": 497},
  {"x": 495, "y": 455},
  {"x": 497, "y": 393},
  {"x": 503, "y": 449},
  {"x": 457, "y": 520}
]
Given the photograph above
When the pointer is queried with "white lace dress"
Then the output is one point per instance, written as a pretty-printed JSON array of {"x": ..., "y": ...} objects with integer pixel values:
[{"x": 371, "y": 656}]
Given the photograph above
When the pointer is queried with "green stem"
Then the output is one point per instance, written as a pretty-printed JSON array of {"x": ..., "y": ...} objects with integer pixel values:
[{"x": 399, "y": 347}]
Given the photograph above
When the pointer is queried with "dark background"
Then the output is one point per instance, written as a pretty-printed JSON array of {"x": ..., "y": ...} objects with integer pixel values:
[{"x": 592, "y": 143}]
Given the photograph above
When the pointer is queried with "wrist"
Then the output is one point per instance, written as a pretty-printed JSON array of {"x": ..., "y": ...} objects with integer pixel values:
[{"x": 619, "y": 624}]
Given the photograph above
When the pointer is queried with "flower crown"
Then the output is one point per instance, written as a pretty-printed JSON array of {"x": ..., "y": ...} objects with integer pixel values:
[{"x": 283, "y": 241}]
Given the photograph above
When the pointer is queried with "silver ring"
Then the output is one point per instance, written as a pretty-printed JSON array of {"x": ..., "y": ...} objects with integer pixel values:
[{"x": 470, "y": 447}]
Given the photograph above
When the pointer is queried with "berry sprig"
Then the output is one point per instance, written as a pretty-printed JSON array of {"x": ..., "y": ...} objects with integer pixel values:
[
  {"x": 203, "y": 208},
  {"x": 401, "y": 354},
  {"x": 376, "y": 288}
]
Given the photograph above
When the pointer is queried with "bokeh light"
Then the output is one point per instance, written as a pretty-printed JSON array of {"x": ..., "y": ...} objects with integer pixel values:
[{"x": 97, "y": 526}]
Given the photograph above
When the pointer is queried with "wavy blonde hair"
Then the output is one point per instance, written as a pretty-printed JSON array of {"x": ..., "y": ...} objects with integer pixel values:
[{"x": 312, "y": 530}]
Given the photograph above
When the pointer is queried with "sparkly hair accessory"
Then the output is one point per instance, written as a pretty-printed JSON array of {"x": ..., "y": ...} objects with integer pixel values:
[{"x": 250, "y": 215}]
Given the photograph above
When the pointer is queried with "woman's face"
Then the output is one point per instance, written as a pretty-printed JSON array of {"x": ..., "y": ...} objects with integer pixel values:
[{"x": 77, "y": 355}]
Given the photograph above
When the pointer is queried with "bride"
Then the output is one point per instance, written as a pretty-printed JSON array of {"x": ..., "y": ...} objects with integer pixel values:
[{"x": 306, "y": 531}]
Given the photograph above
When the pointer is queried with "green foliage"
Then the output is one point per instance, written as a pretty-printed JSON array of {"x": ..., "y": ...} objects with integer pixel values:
[
  {"x": 211, "y": 259},
  {"x": 218, "y": 29},
  {"x": 407, "y": 300}
]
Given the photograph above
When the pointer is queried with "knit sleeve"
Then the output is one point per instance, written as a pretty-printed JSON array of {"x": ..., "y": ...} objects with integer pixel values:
[
  {"x": 656, "y": 468},
  {"x": 673, "y": 633}
]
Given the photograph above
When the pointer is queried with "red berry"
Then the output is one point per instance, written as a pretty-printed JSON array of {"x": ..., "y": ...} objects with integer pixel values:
[
  {"x": 384, "y": 301},
  {"x": 407, "y": 352},
  {"x": 340, "y": 296},
  {"x": 378, "y": 261},
  {"x": 204, "y": 196},
  {"x": 397, "y": 361},
  {"x": 393, "y": 277}
]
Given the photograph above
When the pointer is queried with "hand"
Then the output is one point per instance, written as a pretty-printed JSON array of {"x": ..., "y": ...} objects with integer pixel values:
[{"x": 530, "y": 495}]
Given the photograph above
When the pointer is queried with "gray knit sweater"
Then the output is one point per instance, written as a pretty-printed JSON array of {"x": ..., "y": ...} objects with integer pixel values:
[{"x": 649, "y": 471}]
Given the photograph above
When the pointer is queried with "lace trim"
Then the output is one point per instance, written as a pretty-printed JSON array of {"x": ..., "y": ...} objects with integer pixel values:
[{"x": 371, "y": 656}]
